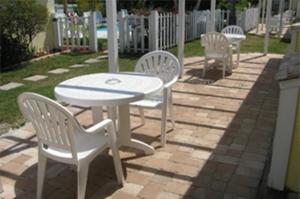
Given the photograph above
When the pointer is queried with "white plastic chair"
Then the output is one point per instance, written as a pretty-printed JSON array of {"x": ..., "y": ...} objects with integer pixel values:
[
  {"x": 166, "y": 66},
  {"x": 62, "y": 138},
  {"x": 218, "y": 48},
  {"x": 235, "y": 45}
]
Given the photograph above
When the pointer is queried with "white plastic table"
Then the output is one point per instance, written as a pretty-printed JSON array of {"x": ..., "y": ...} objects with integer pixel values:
[
  {"x": 111, "y": 89},
  {"x": 234, "y": 38}
]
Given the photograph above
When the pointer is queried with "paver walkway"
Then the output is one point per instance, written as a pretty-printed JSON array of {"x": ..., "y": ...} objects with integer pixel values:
[{"x": 224, "y": 130}]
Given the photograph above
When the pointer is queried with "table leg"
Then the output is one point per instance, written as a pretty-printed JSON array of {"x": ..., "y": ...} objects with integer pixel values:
[
  {"x": 113, "y": 115},
  {"x": 238, "y": 55},
  {"x": 125, "y": 132},
  {"x": 97, "y": 114}
]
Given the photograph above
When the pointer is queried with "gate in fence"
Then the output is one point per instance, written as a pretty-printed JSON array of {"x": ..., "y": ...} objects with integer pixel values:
[{"x": 74, "y": 32}]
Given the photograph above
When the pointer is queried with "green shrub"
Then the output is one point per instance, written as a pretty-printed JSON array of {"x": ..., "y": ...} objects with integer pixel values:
[{"x": 20, "y": 22}]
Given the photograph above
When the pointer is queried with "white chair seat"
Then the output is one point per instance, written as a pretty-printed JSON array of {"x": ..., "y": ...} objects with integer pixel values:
[
  {"x": 95, "y": 144},
  {"x": 154, "y": 102},
  {"x": 216, "y": 56}
]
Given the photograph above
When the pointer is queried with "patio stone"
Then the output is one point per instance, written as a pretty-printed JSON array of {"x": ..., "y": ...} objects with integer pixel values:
[
  {"x": 164, "y": 195},
  {"x": 218, "y": 149},
  {"x": 132, "y": 188},
  {"x": 150, "y": 191},
  {"x": 138, "y": 178},
  {"x": 78, "y": 66},
  {"x": 177, "y": 187},
  {"x": 91, "y": 61},
  {"x": 59, "y": 71},
  {"x": 123, "y": 195},
  {"x": 10, "y": 86},
  {"x": 101, "y": 57},
  {"x": 35, "y": 78}
]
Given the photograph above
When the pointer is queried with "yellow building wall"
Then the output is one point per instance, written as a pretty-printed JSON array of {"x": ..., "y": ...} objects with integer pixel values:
[
  {"x": 293, "y": 175},
  {"x": 45, "y": 40}
]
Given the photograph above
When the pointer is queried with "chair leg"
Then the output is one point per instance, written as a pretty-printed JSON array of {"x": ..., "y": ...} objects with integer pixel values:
[
  {"x": 163, "y": 124},
  {"x": 205, "y": 66},
  {"x": 142, "y": 116},
  {"x": 42, "y": 163},
  {"x": 118, "y": 165},
  {"x": 238, "y": 56},
  {"x": 82, "y": 176},
  {"x": 224, "y": 68},
  {"x": 171, "y": 111}
]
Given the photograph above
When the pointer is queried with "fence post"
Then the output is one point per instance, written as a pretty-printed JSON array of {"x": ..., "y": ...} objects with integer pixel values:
[
  {"x": 153, "y": 41},
  {"x": 57, "y": 31},
  {"x": 227, "y": 17},
  {"x": 121, "y": 16},
  {"x": 93, "y": 33},
  {"x": 208, "y": 23},
  {"x": 243, "y": 20},
  {"x": 194, "y": 26}
]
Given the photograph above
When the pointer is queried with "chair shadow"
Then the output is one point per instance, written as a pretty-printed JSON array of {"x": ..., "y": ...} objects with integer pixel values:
[
  {"x": 210, "y": 77},
  {"x": 61, "y": 179}
]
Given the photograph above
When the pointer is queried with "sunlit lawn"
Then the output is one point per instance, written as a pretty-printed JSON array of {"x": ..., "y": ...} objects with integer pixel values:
[{"x": 9, "y": 112}]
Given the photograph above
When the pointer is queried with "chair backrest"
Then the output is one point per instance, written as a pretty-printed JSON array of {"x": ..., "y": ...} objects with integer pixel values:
[
  {"x": 215, "y": 43},
  {"x": 161, "y": 64},
  {"x": 54, "y": 124},
  {"x": 233, "y": 30}
]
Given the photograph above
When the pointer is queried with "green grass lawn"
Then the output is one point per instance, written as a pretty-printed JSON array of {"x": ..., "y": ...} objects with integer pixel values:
[{"x": 9, "y": 112}]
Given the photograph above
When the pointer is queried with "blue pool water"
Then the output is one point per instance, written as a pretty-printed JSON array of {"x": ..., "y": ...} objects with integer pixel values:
[{"x": 102, "y": 29}]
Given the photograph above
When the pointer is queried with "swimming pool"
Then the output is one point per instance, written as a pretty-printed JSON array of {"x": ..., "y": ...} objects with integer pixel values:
[
  {"x": 102, "y": 29},
  {"x": 102, "y": 32}
]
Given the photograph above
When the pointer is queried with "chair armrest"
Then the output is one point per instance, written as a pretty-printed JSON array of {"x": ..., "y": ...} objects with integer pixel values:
[
  {"x": 169, "y": 84},
  {"x": 99, "y": 127}
]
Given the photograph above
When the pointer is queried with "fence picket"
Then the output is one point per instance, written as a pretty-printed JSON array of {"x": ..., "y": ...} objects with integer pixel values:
[{"x": 142, "y": 34}]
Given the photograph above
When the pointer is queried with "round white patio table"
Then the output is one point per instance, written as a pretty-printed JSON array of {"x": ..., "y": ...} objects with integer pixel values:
[
  {"x": 114, "y": 90},
  {"x": 232, "y": 38},
  {"x": 235, "y": 38}
]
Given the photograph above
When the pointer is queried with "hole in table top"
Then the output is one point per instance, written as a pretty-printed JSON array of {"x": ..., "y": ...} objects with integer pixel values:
[{"x": 113, "y": 81}]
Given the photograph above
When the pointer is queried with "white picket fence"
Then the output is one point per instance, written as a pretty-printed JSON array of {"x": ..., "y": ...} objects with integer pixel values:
[
  {"x": 74, "y": 33},
  {"x": 248, "y": 19},
  {"x": 138, "y": 33}
]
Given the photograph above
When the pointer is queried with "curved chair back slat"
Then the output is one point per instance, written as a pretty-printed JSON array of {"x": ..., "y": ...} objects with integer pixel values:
[
  {"x": 54, "y": 124},
  {"x": 233, "y": 30},
  {"x": 215, "y": 43},
  {"x": 159, "y": 63}
]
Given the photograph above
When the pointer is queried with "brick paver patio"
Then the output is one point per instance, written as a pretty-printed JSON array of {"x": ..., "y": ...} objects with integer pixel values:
[{"x": 219, "y": 149}]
